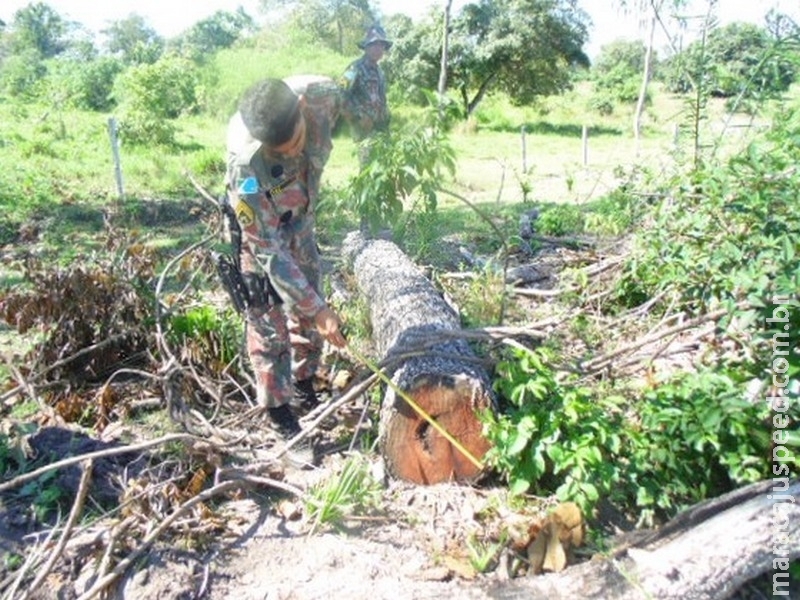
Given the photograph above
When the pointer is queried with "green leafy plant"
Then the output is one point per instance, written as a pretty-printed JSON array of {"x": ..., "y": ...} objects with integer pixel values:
[
  {"x": 151, "y": 96},
  {"x": 697, "y": 437},
  {"x": 728, "y": 237},
  {"x": 350, "y": 492},
  {"x": 560, "y": 220},
  {"x": 211, "y": 336},
  {"x": 43, "y": 494},
  {"x": 693, "y": 437},
  {"x": 553, "y": 437},
  {"x": 405, "y": 167},
  {"x": 483, "y": 554}
]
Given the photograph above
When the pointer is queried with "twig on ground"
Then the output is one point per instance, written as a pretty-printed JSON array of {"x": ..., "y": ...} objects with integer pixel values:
[
  {"x": 60, "y": 363},
  {"x": 26, "y": 477},
  {"x": 354, "y": 392},
  {"x": 599, "y": 363},
  {"x": 102, "y": 583},
  {"x": 31, "y": 559},
  {"x": 74, "y": 515}
]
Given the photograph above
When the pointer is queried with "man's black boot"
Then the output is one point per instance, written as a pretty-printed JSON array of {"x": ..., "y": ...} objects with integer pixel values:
[
  {"x": 300, "y": 455},
  {"x": 306, "y": 398}
]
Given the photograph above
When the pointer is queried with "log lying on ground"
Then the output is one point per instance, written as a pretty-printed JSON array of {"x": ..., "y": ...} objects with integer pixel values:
[
  {"x": 706, "y": 553},
  {"x": 445, "y": 380}
]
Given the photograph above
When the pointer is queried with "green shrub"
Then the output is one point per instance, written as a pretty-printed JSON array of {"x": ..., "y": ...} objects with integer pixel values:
[
  {"x": 694, "y": 437},
  {"x": 22, "y": 74},
  {"x": 560, "y": 220},
  {"x": 86, "y": 84},
  {"x": 729, "y": 237},
  {"x": 150, "y": 95}
]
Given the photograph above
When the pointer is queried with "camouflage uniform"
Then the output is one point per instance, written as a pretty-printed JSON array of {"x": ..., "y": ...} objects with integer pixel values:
[
  {"x": 274, "y": 199},
  {"x": 365, "y": 97},
  {"x": 364, "y": 88}
]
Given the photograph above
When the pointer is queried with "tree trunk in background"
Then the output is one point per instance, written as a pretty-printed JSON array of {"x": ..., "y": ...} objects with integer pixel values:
[
  {"x": 445, "y": 379},
  {"x": 442, "y": 88},
  {"x": 648, "y": 57},
  {"x": 707, "y": 552}
]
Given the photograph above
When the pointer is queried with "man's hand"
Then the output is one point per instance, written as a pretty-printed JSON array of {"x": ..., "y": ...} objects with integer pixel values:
[{"x": 329, "y": 327}]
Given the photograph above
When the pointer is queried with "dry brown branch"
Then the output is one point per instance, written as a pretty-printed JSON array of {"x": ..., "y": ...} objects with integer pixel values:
[
  {"x": 114, "y": 534},
  {"x": 601, "y": 362},
  {"x": 159, "y": 286},
  {"x": 572, "y": 242},
  {"x": 26, "y": 477},
  {"x": 219, "y": 488},
  {"x": 201, "y": 190},
  {"x": 354, "y": 392},
  {"x": 539, "y": 293},
  {"x": 74, "y": 515},
  {"x": 244, "y": 477},
  {"x": 102, "y": 583},
  {"x": 31, "y": 559},
  {"x": 60, "y": 363}
]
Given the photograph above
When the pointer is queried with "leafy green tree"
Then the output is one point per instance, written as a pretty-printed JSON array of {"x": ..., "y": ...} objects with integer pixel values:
[
  {"x": 22, "y": 73},
  {"x": 525, "y": 48},
  {"x": 740, "y": 58},
  {"x": 133, "y": 41},
  {"x": 85, "y": 83},
  {"x": 338, "y": 24},
  {"x": 220, "y": 30},
  {"x": 39, "y": 27},
  {"x": 618, "y": 69}
]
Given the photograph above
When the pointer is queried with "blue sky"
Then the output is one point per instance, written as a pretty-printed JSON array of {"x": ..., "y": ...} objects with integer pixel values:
[{"x": 170, "y": 17}]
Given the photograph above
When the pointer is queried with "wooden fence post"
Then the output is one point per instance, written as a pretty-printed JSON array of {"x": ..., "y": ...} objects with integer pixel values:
[
  {"x": 112, "y": 134},
  {"x": 585, "y": 145},
  {"x": 524, "y": 150}
]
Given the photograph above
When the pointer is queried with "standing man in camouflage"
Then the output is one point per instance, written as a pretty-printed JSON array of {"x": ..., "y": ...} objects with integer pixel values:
[
  {"x": 278, "y": 143},
  {"x": 364, "y": 88}
]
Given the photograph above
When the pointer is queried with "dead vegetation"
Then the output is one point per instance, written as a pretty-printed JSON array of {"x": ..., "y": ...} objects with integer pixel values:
[{"x": 127, "y": 484}]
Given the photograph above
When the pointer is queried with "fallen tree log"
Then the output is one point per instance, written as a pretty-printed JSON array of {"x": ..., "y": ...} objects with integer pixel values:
[
  {"x": 707, "y": 552},
  {"x": 445, "y": 380}
]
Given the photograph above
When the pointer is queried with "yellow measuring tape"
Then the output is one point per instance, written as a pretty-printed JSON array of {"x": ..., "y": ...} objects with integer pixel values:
[{"x": 383, "y": 377}]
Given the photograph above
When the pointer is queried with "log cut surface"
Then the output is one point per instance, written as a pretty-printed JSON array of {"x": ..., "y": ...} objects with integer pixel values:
[{"x": 444, "y": 378}]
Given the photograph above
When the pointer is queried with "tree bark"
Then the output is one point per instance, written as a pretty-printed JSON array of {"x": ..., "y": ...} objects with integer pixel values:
[
  {"x": 648, "y": 57},
  {"x": 706, "y": 553},
  {"x": 442, "y": 87},
  {"x": 444, "y": 379}
]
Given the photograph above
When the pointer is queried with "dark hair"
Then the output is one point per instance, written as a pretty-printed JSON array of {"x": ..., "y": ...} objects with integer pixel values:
[{"x": 270, "y": 110}]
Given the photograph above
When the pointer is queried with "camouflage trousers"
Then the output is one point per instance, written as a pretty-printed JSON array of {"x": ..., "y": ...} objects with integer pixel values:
[{"x": 282, "y": 344}]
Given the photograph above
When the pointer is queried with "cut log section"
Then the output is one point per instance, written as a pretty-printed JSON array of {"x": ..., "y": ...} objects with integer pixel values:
[
  {"x": 707, "y": 552},
  {"x": 444, "y": 378}
]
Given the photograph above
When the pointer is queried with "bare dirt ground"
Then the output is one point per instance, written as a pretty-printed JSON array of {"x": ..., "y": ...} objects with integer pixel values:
[{"x": 419, "y": 542}]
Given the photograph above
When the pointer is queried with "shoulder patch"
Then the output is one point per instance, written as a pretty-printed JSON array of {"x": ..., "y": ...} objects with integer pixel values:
[
  {"x": 248, "y": 186},
  {"x": 245, "y": 213}
]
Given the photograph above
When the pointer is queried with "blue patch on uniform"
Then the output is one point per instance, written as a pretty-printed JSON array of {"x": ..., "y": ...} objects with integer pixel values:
[{"x": 248, "y": 186}]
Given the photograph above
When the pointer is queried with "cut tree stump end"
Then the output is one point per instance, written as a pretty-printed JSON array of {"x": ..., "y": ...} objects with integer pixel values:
[{"x": 414, "y": 449}]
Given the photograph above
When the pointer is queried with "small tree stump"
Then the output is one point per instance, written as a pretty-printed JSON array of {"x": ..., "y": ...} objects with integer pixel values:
[{"x": 443, "y": 378}]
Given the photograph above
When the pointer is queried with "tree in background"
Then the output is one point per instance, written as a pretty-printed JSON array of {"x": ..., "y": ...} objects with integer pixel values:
[
  {"x": 617, "y": 72},
  {"x": 36, "y": 33},
  {"x": 39, "y": 27},
  {"x": 133, "y": 41},
  {"x": 525, "y": 48},
  {"x": 220, "y": 30},
  {"x": 338, "y": 24},
  {"x": 740, "y": 59},
  {"x": 151, "y": 96}
]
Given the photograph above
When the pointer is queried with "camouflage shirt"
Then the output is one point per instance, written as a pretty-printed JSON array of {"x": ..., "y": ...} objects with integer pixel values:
[
  {"x": 365, "y": 105},
  {"x": 274, "y": 195}
]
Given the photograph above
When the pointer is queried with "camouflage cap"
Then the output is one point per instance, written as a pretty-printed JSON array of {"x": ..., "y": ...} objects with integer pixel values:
[{"x": 375, "y": 33}]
